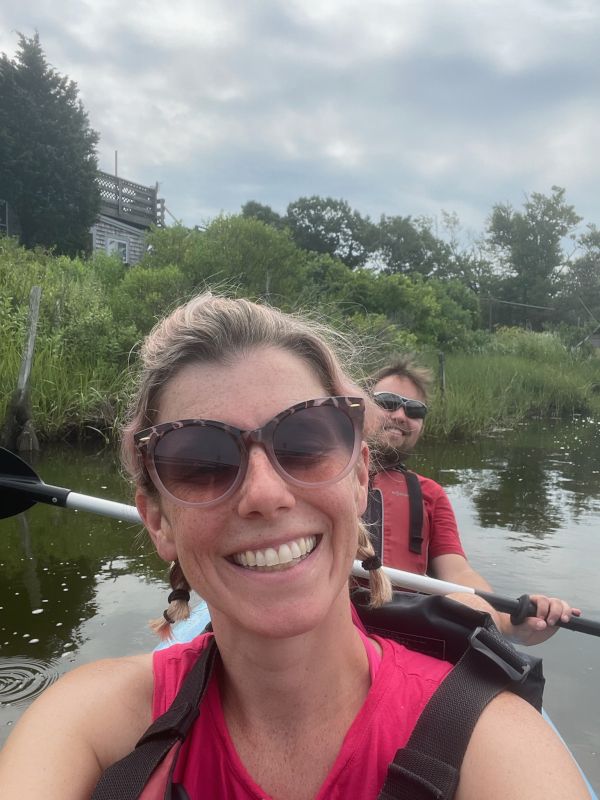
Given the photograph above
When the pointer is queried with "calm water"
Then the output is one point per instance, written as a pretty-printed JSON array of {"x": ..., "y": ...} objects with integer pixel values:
[{"x": 76, "y": 587}]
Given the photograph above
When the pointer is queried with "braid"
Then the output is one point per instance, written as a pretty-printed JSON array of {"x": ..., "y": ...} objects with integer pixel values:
[
  {"x": 178, "y": 608},
  {"x": 379, "y": 583}
]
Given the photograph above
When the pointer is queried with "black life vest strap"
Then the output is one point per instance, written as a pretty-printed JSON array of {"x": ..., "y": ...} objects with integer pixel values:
[
  {"x": 373, "y": 516},
  {"x": 126, "y": 778},
  {"x": 415, "y": 506},
  {"x": 428, "y": 767}
]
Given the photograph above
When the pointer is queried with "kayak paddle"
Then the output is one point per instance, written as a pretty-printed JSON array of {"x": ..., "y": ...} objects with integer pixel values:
[{"x": 21, "y": 488}]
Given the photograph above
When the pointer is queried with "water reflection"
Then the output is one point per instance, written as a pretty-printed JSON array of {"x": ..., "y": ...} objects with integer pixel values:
[
  {"x": 54, "y": 560},
  {"x": 532, "y": 480}
]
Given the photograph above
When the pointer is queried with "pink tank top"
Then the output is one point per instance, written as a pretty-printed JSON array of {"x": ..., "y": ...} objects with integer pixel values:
[{"x": 402, "y": 682}]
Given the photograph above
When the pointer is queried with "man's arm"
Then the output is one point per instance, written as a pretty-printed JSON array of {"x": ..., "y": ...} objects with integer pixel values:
[
  {"x": 550, "y": 610},
  {"x": 448, "y": 562}
]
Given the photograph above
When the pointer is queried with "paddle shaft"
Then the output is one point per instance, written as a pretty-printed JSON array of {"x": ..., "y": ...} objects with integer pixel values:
[
  {"x": 38, "y": 491},
  {"x": 57, "y": 496}
]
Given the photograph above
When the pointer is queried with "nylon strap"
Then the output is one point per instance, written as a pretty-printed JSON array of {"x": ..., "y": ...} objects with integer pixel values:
[
  {"x": 415, "y": 506},
  {"x": 428, "y": 767},
  {"x": 126, "y": 778},
  {"x": 373, "y": 517}
]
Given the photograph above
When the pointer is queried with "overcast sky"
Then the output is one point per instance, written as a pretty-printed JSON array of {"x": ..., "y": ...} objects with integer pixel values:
[{"x": 397, "y": 106}]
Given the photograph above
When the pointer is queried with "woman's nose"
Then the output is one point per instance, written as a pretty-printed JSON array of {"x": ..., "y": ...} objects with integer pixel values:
[{"x": 263, "y": 491}]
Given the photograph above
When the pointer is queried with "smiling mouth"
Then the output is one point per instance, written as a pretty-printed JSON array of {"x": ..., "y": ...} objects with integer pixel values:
[{"x": 272, "y": 558}]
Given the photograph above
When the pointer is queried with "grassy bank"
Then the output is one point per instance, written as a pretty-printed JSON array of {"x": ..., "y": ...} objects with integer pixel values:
[
  {"x": 495, "y": 389},
  {"x": 95, "y": 311},
  {"x": 484, "y": 391},
  {"x": 70, "y": 399}
]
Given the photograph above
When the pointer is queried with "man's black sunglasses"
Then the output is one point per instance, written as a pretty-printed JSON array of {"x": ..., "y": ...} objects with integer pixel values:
[{"x": 390, "y": 401}]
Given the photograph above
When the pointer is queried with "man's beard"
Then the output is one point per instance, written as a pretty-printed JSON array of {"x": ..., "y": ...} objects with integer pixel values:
[{"x": 385, "y": 455}]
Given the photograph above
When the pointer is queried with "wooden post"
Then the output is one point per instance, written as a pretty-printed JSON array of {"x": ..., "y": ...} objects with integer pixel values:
[
  {"x": 26, "y": 361},
  {"x": 18, "y": 431},
  {"x": 442, "y": 360}
]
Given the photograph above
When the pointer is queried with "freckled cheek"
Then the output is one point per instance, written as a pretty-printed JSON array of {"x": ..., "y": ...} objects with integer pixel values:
[
  {"x": 196, "y": 529},
  {"x": 343, "y": 512}
]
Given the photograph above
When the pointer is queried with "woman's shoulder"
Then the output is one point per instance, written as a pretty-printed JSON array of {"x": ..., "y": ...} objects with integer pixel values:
[
  {"x": 514, "y": 753},
  {"x": 129, "y": 674},
  {"x": 97, "y": 713},
  {"x": 103, "y": 695}
]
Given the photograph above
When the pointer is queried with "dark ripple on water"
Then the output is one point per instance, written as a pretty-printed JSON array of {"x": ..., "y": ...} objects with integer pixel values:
[{"x": 23, "y": 679}]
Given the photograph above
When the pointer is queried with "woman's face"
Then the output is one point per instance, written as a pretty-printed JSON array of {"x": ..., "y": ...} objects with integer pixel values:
[{"x": 265, "y": 512}]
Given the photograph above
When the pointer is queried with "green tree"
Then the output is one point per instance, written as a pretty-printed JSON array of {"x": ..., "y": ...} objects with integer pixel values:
[
  {"x": 325, "y": 225},
  {"x": 528, "y": 246},
  {"x": 580, "y": 285},
  {"x": 241, "y": 253},
  {"x": 263, "y": 213},
  {"x": 406, "y": 246},
  {"x": 48, "y": 159}
]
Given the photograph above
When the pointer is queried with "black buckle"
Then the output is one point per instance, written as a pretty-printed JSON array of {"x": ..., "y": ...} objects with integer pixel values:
[{"x": 495, "y": 653}]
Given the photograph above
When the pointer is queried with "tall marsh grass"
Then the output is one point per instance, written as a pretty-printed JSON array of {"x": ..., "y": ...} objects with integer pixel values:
[
  {"x": 94, "y": 311},
  {"x": 69, "y": 397},
  {"x": 491, "y": 390}
]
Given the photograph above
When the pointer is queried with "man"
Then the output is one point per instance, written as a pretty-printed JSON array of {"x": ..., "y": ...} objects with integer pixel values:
[{"x": 413, "y": 523}]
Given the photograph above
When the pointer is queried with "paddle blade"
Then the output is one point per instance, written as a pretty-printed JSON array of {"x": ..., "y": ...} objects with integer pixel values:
[
  {"x": 11, "y": 466},
  {"x": 12, "y": 503}
]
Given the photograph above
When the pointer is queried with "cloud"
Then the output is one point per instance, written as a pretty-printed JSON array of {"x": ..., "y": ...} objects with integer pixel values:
[{"x": 399, "y": 107}]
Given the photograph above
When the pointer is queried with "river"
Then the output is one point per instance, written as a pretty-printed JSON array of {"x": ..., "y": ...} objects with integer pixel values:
[{"x": 76, "y": 587}]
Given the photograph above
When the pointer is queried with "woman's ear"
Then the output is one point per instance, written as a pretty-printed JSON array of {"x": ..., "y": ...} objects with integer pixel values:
[
  {"x": 157, "y": 524},
  {"x": 362, "y": 479}
]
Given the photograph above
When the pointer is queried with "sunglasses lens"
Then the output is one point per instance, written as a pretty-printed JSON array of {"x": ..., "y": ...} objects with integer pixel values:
[
  {"x": 388, "y": 401},
  {"x": 314, "y": 445},
  {"x": 197, "y": 464},
  {"x": 414, "y": 409}
]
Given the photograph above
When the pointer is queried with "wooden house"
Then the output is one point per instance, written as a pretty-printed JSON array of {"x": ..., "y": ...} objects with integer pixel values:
[{"x": 127, "y": 211}]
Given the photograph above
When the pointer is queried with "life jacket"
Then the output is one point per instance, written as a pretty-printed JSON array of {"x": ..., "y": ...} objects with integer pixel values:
[
  {"x": 428, "y": 766},
  {"x": 399, "y": 528}
]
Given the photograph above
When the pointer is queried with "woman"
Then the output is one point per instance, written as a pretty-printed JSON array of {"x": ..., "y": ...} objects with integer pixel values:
[{"x": 265, "y": 526}]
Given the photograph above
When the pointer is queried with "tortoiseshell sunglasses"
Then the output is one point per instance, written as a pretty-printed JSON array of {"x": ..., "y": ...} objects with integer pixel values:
[{"x": 199, "y": 462}]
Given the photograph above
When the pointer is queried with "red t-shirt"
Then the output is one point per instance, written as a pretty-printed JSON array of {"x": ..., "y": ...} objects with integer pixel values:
[
  {"x": 444, "y": 530},
  {"x": 209, "y": 766},
  {"x": 439, "y": 529}
]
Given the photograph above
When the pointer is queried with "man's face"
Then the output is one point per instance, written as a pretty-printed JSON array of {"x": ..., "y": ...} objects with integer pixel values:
[{"x": 399, "y": 434}]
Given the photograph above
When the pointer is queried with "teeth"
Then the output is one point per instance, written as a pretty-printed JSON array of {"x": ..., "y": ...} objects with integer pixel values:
[
  {"x": 271, "y": 557},
  {"x": 285, "y": 554}
]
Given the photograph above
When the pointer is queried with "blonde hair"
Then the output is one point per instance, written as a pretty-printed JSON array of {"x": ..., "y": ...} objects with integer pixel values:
[{"x": 214, "y": 328}]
